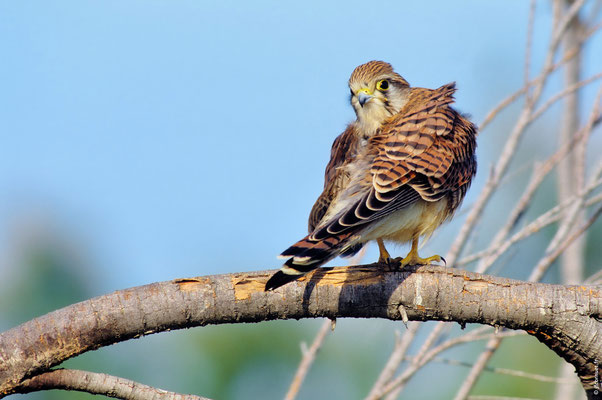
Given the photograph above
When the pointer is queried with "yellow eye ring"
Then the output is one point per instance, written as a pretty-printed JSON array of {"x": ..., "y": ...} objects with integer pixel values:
[{"x": 382, "y": 85}]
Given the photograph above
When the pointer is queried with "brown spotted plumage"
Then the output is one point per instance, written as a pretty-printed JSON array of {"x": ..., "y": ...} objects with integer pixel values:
[{"x": 396, "y": 173}]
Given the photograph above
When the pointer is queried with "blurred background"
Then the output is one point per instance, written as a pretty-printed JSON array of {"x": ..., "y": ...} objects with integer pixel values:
[{"x": 143, "y": 141}]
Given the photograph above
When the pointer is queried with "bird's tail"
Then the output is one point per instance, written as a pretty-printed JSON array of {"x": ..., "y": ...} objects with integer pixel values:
[{"x": 308, "y": 254}]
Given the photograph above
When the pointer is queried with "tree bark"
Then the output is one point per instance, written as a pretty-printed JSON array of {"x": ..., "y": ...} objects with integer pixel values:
[{"x": 565, "y": 318}]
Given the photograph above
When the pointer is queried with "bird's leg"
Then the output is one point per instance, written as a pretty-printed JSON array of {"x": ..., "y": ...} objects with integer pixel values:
[
  {"x": 385, "y": 258},
  {"x": 414, "y": 259}
]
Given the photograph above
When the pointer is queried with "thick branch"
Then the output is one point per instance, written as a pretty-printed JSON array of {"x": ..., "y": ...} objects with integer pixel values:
[{"x": 566, "y": 318}]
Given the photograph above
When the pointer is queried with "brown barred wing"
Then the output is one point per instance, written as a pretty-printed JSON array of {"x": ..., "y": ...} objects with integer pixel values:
[
  {"x": 429, "y": 148},
  {"x": 343, "y": 151}
]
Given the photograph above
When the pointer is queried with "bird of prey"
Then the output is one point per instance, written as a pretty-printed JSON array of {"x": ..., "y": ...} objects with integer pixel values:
[{"x": 396, "y": 173}]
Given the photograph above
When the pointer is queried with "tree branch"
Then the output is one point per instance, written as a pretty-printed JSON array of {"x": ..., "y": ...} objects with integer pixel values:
[
  {"x": 566, "y": 318},
  {"x": 103, "y": 384}
]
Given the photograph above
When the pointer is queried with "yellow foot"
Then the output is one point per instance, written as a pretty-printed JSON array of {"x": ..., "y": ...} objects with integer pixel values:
[{"x": 413, "y": 259}]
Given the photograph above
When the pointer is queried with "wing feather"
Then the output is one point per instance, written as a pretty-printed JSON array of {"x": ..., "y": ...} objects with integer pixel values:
[{"x": 343, "y": 150}]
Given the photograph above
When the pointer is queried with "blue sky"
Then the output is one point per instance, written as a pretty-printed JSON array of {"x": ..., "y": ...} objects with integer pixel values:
[{"x": 181, "y": 138}]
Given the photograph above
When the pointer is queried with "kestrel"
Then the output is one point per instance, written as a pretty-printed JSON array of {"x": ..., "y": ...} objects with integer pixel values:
[{"x": 396, "y": 173}]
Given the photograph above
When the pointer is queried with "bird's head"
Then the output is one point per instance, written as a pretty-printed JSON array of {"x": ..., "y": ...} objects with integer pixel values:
[{"x": 377, "y": 92}]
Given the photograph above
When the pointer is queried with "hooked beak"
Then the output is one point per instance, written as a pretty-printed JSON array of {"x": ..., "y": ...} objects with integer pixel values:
[{"x": 364, "y": 96}]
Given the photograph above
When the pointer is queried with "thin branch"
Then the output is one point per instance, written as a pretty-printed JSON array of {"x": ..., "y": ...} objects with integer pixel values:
[
  {"x": 546, "y": 168},
  {"x": 567, "y": 91},
  {"x": 554, "y": 214},
  {"x": 476, "y": 334},
  {"x": 497, "y": 246},
  {"x": 589, "y": 32},
  {"x": 517, "y": 94},
  {"x": 416, "y": 365},
  {"x": 593, "y": 200},
  {"x": 308, "y": 358},
  {"x": 523, "y": 121},
  {"x": 478, "y": 367},
  {"x": 102, "y": 384},
  {"x": 395, "y": 359},
  {"x": 506, "y": 371},
  {"x": 536, "y": 180},
  {"x": 530, "y": 25},
  {"x": 569, "y": 15},
  {"x": 594, "y": 279},
  {"x": 543, "y": 76},
  {"x": 395, "y": 386},
  {"x": 552, "y": 255},
  {"x": 561, "y": 238}
]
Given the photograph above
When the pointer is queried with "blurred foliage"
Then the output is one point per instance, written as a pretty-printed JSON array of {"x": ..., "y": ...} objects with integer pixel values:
[
  {"x": 51, "y": 277},
  {"x": 49, "y": 280}
]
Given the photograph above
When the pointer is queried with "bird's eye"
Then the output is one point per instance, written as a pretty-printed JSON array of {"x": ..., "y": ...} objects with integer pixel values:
[{"x": 382, "y": 85}]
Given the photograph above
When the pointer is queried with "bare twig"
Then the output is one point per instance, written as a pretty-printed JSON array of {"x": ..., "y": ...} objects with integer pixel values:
[
  {"x": 497, "y": 248},
  {"x": 474, "y": 335},
  {"x": 478, "y": 368},
  {"x": 103, "y": 384},
  {"x": 416, "y": 365},
  {"x": 308, "y": 358},
  {"x": 506, "y": 371},
  {"x": 552, "y": 255},
  {"x": 517, "y": 94},
  {"x": 530, "y": 24},
  {"x": 594, "y": 279},
  {"x": 543, "y": 76},
  {"x": 569, "y": 90},
  {"x": 395, "y": 359}
]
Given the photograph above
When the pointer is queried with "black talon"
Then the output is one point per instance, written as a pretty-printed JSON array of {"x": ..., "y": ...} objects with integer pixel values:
[{"x": 389, "y": 264}]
